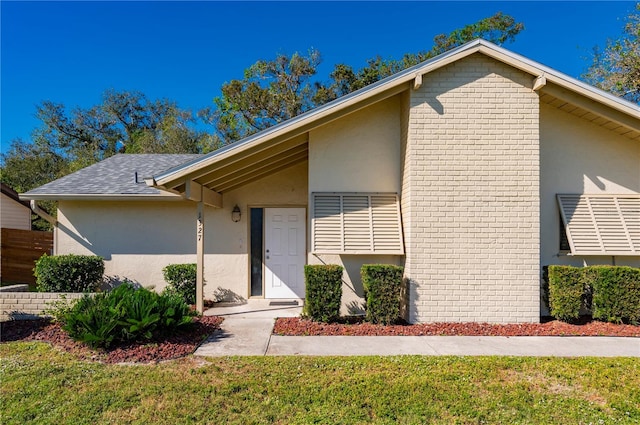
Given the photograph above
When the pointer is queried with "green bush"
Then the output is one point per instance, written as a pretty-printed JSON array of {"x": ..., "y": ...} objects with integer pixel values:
[
  {"x": 69, "y": 273},
  {"x": 124, "y": 314},
  {"x": 323, "y": 292},
  {"x": 567, "y": 292},
  {"x": 182, "y": 280},
  {"x": 616, "y": 293},
  {"x": 382, "y": 288}
]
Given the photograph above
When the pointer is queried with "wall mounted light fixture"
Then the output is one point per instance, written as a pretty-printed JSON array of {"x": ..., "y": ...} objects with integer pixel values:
[{"x": 236, "y": 214}]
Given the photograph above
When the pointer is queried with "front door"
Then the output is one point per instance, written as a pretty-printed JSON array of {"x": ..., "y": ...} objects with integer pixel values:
[{"x": 284, "y": 252}]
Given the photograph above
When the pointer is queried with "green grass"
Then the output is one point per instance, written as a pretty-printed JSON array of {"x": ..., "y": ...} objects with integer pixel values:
[{"x": 42, "y": 385}]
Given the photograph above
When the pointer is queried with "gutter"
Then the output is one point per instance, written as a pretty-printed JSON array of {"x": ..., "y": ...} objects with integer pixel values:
[{"x": 40, "y": 212}]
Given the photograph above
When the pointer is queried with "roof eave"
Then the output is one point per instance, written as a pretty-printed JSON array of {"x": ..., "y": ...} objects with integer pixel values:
[
  {"x": 99, "y": 197},
  {"x": 517, "y": 61}
]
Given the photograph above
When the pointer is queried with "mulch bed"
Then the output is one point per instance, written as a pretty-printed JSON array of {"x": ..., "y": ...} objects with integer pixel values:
[
  {"x": 173, "y": 346},
  {"x": 295, "y": 326}
]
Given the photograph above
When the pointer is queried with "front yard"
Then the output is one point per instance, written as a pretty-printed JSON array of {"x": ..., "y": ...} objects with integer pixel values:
[{"x": 43, "y": 385}]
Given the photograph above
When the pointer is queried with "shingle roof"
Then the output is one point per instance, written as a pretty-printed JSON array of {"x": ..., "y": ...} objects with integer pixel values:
[{"x": 111, "y": 177}]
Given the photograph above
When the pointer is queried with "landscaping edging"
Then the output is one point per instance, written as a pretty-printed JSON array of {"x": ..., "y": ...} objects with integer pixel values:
[{"x": 30, "y": 305}]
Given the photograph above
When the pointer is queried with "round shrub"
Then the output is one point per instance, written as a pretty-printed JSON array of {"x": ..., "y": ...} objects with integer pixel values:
[
  {"x": 69, "y": 273},
  {"x": 181, "y": 279}
]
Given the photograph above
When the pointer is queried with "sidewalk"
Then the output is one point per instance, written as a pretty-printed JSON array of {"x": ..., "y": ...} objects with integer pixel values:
[{"x": 247, "y": 331}]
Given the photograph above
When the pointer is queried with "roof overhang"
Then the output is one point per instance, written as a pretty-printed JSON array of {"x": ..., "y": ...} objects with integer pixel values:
[
  {"x": 100, "y": 197},
  {"x": 286, "y": 144}
]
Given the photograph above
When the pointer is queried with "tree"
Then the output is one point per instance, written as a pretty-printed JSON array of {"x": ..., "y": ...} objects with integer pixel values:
[
  {"x": 273, "y": 91},
  {"x": 270, "y": 92},
  {"x": 616, "y": 68},
  {"x": 125, "y": 122},
  {"x": 498, "y": 29},
  {"x": 27, "y": 165}
]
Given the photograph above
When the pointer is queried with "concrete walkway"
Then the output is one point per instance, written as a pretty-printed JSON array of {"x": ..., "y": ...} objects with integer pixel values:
[{"x": 246, "y": 331}]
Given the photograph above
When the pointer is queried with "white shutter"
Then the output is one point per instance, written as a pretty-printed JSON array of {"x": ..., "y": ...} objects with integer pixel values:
[
  {"x": 601, "y": 224},
  {"x": 327, "y": 223},
  {"x": 356, "y": 223}
]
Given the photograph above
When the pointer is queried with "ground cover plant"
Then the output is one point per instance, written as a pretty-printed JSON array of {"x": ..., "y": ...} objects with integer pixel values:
[
  {"x": 165, "y": 347},
  {"x": 42, "y": 385},
  {"x": 124, "y": 314}
]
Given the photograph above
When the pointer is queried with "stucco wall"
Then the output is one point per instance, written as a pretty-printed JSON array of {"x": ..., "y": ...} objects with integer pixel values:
[
  {"x": 14, "y": 215},
  {"x": 138, "y": 239},
  {"x": 357, "y": 153},
  {"x": 577, "y": 156},
  {"x": 472, "y": 158}
]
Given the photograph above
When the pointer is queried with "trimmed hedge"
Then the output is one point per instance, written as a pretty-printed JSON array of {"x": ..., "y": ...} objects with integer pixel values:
[
  {"x": 566, "y": 292},
  {"x": 182, "y": 280},
  {"x": 69, "y": 273},
  {"x": 616, "y": 293},
  {"x": 383, "y": 292},
  {"x": 323, "y": 292},
  {"x": 124, "y": 314},
  {"x": 612, "y": 293}
]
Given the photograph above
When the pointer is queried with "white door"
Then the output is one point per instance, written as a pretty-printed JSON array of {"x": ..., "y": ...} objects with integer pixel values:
[{"x": 284, "y": 252}]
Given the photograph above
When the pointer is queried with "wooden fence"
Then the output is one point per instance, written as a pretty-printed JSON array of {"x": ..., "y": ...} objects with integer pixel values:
[{"x": 19, "y": 251}]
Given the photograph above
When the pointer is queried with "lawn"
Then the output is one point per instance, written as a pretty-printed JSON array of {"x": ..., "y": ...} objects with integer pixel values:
[{"x": 46, "y": 386}]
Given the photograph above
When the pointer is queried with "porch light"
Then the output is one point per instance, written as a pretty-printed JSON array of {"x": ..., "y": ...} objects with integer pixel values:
[{"x": 236, "y": 214}]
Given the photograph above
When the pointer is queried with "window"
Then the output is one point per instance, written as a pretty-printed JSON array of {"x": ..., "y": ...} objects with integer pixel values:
[
  {"x": 601, "y": 224},
  {"x": 356, "y": 223},
  {"x": 564, "y": 240}
]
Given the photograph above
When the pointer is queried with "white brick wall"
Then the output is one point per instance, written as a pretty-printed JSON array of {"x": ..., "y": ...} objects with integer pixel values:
[
  {"x": 29, "y": 305},
  {"x": 470, "y": 195}
]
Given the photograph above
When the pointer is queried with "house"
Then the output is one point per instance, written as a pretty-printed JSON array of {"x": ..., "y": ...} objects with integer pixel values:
[
  {"x": 472, "y": 170},
  {"x": 14, "y": 213}
]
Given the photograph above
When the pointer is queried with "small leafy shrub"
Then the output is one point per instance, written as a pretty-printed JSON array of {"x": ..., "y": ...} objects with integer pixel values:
[
  {"x": 182, "y": 280},
  {"x": 382, "y": 288},
  {"x": 567, "y": 292},
  {"x": 69, "y": 273},
  {"x": 616, "y": 293},
  {"x": 323, "y": 292},
  {"x": 124, "y": 314}
]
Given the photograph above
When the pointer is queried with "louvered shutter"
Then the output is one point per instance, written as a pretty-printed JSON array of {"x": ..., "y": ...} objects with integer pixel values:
[
  {"x": 356, "y": 223},
  {"x": 601, "y": 224}
]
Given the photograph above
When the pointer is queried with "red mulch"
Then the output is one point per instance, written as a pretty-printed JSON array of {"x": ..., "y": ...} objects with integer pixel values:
[
  {"x": 173, "y": 346},
  {"x": 295, "y": 326}
]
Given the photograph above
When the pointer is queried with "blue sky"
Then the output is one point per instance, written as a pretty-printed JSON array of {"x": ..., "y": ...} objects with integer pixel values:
[{"x": 71, "y": 52}]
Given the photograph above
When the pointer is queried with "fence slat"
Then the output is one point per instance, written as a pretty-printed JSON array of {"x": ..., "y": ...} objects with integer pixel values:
[{"x": 19, "y": 250}]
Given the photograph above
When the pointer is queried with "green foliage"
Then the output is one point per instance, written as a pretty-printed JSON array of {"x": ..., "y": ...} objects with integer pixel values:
[
  {"x": 498, "y": 29},
  {"x": 567, "y": 292},
  {"x": 67, "y": 141},
  {"x": 616, "y": 68},
  {"x": 270, "y": 92},
  {"x": 616, "y": 293},
  {"x": 383, "y": 288},
  {"x": 273, "y": 91},
  {"x": 182, "y": 280},
  {"x": 124, "y": 314},
  {"x": 69, "y": 273},
  {"x": 323, "y": 292},
  {"x": 612, "y": 293}
]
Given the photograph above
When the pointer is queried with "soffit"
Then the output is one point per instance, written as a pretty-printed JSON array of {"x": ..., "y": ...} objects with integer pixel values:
[{"x": 573, "y": 109}]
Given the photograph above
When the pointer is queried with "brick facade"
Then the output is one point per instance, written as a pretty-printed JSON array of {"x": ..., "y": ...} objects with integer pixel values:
[
  {"x": 470, "y": 195},
  {"x": 29, "y": 305}
]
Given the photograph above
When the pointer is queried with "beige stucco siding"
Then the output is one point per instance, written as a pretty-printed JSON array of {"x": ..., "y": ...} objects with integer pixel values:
[
  {"x": 357, "y": 153},
  {"x": 14, "y": 215},
  {"x": 138, "y": 239},
  {"x": 473, "y": 212},
  {"x": 577, "y": 156}
]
